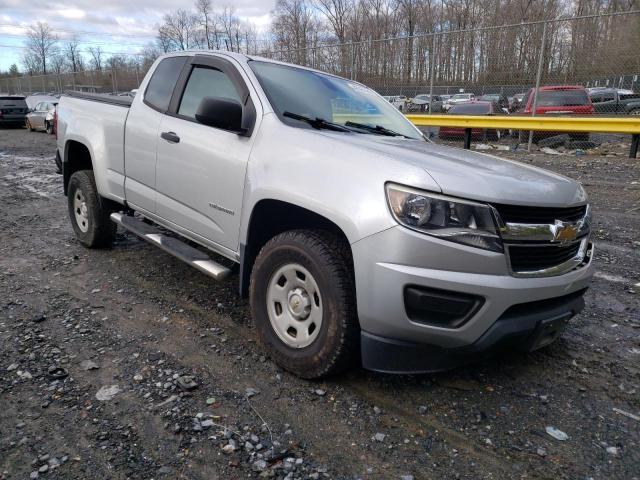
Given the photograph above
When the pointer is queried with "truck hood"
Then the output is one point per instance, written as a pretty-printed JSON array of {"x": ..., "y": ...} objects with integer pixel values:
[{"x": 474, "y": 175}]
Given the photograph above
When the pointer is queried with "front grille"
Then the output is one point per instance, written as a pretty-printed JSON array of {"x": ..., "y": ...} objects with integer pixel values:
[
  {"x": 531, "y": 258},
  {"x": 539, "y": 215}
]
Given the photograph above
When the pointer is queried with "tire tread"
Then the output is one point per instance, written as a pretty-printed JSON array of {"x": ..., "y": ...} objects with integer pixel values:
[
  {"x": 103, "y": 230},
  {"x": 336, "y": 257}
]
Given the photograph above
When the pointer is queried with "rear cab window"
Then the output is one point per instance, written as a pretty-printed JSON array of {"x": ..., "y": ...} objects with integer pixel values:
[
  {"x": 13, "y": 103},
  {"x": 162, "y": 82},
  {"x": 470, "y": 109},
  {"x": 600, "y": 97},
  {"x": 562, "y": 98}
]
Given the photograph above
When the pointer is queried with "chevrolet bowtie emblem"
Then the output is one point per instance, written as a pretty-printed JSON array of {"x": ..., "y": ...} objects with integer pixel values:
[{"x": 564, "y": 232}]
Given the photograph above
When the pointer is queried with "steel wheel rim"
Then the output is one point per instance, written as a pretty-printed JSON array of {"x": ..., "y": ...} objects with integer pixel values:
[
  {"x": 294, "y": 305},
  {"x": 81, "y": 211}
]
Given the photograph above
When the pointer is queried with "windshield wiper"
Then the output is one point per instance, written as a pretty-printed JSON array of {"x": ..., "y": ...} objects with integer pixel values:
[
  {"x": 379, "y": 129},
  {"x": 319, "y": 123}
]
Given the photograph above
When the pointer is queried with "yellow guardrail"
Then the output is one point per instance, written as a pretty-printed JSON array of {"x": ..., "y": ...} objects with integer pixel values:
[
  {"x": 629, "y": 125},
  {"x": 594, "y": 124}
]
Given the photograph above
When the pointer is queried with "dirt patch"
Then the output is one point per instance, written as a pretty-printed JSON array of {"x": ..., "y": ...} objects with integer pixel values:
[{"x": 152, "y": 326}]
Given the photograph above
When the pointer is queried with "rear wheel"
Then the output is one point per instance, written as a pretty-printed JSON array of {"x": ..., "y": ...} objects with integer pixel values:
[
  {"x": 90, "y": 221},
  {"x": 303, "y": 303},
  {"x": 49, "y": 128}
]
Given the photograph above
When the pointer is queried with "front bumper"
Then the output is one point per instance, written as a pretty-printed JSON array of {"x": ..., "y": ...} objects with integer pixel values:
[
  {"x": 390, "y": 261},
  {"x": 13, "y": 118},
  {"x": 526, "y": 327}
]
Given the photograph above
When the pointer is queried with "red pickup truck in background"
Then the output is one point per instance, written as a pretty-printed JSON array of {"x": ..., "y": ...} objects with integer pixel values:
[{"x": 559, "y": 100}]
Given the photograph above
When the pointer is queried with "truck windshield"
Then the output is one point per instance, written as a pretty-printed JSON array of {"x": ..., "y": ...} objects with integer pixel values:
[{"x": 331, "y": 99}]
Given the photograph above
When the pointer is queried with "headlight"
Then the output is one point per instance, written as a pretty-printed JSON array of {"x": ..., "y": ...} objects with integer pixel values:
[{"x": 452, "y": 219}]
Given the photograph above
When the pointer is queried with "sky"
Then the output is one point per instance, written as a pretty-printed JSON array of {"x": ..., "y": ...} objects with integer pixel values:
[{"x": 117, "y": 26}]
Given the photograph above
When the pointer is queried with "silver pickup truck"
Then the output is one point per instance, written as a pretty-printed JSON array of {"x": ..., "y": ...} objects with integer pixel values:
[{"x": 356, "y": 238}]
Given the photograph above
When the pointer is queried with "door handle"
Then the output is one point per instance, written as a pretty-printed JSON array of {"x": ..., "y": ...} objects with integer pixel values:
[{"x": 170, "y": 137}]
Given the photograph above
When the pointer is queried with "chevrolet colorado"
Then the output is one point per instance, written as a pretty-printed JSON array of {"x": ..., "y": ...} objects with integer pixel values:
[{"x": 355, "y": 237}]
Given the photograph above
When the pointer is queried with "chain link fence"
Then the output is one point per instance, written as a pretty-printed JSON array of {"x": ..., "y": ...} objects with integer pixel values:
[
  {"x": 117, "y": 79},
  {"x": 599, "y": 51},
  {"x": 576, "y": 66}
]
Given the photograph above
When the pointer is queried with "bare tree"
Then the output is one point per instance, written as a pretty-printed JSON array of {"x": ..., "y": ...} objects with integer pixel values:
[
  {"x": 58, "y": 63},
  {"x": 149, "y": 55},
  {"x": 179, "y": 31},
  {"x": 468, "y": 49},
  {"x": 96, "y": 57},
  {"x": 294, "y": 26},
  {"x": 230, "y": 25},
  {"x": 73, "y": 55},
  {"x": 31, "y": 63},
  {"x": 41, "y": 44},
  {"x": 205, "y": 12}
]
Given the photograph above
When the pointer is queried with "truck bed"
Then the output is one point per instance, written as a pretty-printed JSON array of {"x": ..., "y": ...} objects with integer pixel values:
[{"x": 97, "y": 122}]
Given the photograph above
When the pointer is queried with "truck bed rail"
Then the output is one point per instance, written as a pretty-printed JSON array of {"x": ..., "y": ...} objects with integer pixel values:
[{"x": 102, "y": 98}]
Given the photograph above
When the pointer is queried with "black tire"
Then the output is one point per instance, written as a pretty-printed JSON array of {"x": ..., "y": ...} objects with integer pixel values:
[
  {"x": 97, "y": 231},
  {"x": 328, "y": 260},
  {"x": 49, "y": 128},
  {"x": 28, "y": 124}
]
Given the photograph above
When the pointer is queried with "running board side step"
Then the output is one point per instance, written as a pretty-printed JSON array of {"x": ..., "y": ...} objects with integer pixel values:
[{"x": 171, "y": 245}]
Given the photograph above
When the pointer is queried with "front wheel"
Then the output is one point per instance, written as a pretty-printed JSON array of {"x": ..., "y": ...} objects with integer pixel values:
[
  {"x": 29, "y": 126},
  {"x": 303, "y": 302},
  {"x": 49, "y": 128},
  {"x": 90, "y": 221}
]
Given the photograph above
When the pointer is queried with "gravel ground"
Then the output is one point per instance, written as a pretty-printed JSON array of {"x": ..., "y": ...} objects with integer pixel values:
[{"x": 126, "y": 363}]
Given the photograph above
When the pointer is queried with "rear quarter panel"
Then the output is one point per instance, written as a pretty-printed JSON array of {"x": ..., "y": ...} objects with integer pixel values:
[{"x": 100, "y": 127}]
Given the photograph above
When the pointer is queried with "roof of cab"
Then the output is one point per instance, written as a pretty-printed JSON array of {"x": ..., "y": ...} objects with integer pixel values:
[{"x": 244, "y": 58}]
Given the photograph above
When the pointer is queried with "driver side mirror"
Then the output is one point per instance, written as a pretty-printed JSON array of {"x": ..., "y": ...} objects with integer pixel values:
[{"x": 223, "y": 113}]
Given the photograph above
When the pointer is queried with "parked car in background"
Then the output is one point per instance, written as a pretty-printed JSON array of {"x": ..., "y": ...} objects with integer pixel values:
[
  {"x": 621, "y": 91},
  {"x": 41, "y": 117},
  {"x": 616, "y": 101},
  {"x": 13, "y": 110},
  {"x": 459, "y": 98},
  {"x": 398, "y": 101},
  {"x": 558, "y": 100},
  {"x": 474, "y": 107},
  {"x": 499, "y": 99},
  {"x": 33, "y": 100},
  {"x": 420, "y": 103}
]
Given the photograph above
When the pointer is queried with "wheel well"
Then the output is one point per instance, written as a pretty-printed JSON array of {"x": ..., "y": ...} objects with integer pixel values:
[
  {"x": 76, "y": 157},
  {"x": 268, "y": 219}
]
